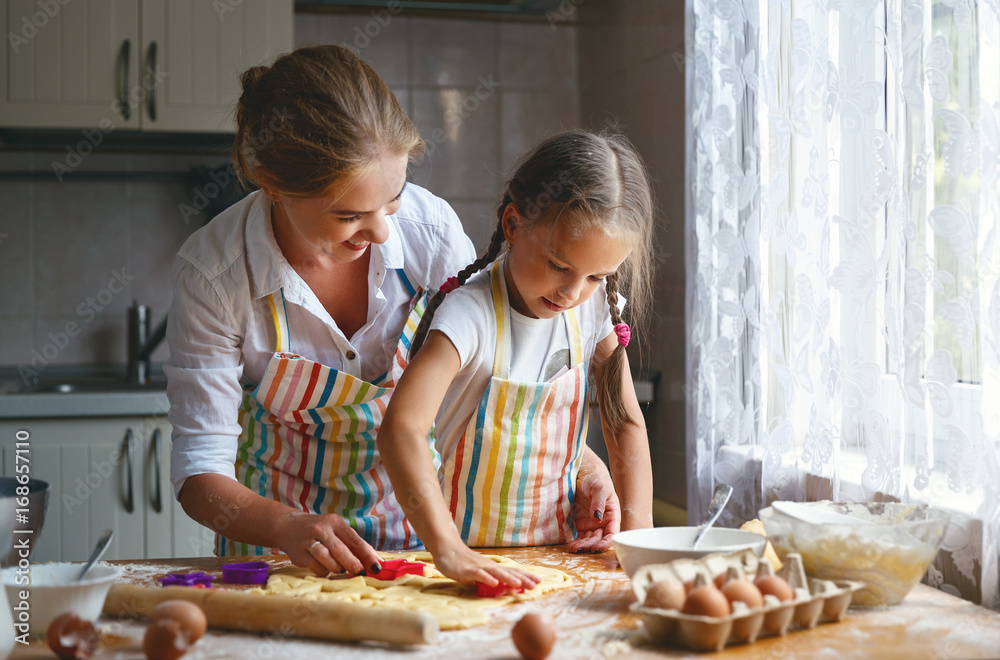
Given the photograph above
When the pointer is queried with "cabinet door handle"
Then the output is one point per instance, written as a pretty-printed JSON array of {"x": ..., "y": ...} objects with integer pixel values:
[
  {"x": 153, "y": 84},
  {"x": 123, "y": 99},
  {"x": 129, "y": 453},
  {"x": 157, "y": 493}
]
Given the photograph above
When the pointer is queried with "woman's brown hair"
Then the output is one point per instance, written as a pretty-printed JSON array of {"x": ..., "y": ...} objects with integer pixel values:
[
  {"x": 317, "y": 116},
  {"x": 588, "y": 180}
]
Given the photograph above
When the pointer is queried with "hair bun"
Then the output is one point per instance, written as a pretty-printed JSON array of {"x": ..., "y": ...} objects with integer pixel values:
[{"x": 250, "y": 78}]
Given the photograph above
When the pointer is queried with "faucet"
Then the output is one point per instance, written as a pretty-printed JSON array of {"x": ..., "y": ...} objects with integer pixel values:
[{"x": 142, "y": 343}]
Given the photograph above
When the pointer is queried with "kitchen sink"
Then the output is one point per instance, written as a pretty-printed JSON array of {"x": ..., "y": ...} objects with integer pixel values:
[{"x": 91, "y": 386}]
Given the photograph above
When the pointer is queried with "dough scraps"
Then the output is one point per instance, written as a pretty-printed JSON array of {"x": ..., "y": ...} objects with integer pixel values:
[{"x": 455, "y": 605}]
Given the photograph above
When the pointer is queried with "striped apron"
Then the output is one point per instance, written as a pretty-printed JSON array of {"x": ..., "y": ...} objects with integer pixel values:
[
  {"x": 511, "y": 479},
  {"x": 308, "y": 439}
]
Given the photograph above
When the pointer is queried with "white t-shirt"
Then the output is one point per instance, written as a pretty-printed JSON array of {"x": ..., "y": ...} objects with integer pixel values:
[
  {"x": 539, "y": 348},
  {"x": 220, "y": 330}
]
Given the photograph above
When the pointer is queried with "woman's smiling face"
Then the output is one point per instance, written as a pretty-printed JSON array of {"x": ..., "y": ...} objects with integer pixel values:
[
  {"x": 343, "y": 225},
  {"x": 552, "y": 268}
]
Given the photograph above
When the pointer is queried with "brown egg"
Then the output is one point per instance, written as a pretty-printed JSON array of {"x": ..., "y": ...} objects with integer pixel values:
[
  {"x": 772, "y": 585},
  {"x": 743, "y": 591},
  {"x": 190, "y": 617},
  {"x": 164, "y": 640},
  {"x": 707, "y": 601},
  {"x": 534, "y": 635},
  {"x": 72, "y": 638},
  {"x": 665, "y": 595}
]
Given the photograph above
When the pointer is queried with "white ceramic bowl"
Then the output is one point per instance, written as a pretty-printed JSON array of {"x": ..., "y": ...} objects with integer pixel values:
[
  {"x": 52, "y": 591},
  {"x": 638, "y": 547}
]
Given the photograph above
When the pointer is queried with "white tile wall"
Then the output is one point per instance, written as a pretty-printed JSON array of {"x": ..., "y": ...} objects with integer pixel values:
[
  {"x": 66, "y": 238},
  {"x": 15, "y": 251},
  {"x": 462, "y": 154},
  {"x": 538, "y": 56},
  {"x": 632, "y": 52},
  {"x": 157, "y": 233},
  {"x": 380, "y": 37},
  {"x": 79, "y": 245},
  {"x": 530, "y": 115},
  {"x": 480, "y": 220},
  {"x": 15, "y": 347},
  {"x": 449, "y": 52}
]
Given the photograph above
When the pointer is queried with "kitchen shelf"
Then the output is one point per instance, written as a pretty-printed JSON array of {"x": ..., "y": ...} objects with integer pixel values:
[
  {"x": 508, "y": 8},
  {"x": 108, "y": 175}
]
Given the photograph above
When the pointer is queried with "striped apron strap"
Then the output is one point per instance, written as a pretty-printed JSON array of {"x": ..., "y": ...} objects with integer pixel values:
[
  {"x": 279, "y": 316},
  {"x": 407, "y": 282},
  {"x": 501, "y": 353},
  {"x": 575, "y": 341}
]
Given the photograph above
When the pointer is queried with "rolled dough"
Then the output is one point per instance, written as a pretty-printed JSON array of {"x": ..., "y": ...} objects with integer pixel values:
[{"x": 455, "y": 605}]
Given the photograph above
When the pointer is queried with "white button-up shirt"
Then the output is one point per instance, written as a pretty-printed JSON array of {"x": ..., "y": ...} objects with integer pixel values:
[{"x": 220, "y": 331}]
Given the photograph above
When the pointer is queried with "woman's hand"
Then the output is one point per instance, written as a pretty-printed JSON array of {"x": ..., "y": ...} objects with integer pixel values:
[
  {"x": 463, "y": 564},
  {"x": 326, "y": 544},
  {"x": 596, "y": 509},
  {"x": 229, "y": 508}
]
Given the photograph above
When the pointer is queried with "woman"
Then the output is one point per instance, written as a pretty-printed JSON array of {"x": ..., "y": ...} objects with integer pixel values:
[{"x": 295, "y": 307}]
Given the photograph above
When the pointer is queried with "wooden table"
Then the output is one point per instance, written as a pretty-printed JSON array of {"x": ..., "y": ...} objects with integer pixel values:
[{"x": 594, "y": 622}]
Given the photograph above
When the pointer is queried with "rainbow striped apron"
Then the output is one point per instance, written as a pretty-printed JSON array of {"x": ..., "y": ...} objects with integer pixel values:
[
  {"x": 308, "y": 439},
  {"x": 511, "y": 479}
]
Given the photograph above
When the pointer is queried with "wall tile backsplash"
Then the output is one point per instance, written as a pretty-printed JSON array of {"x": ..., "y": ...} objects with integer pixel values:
[
  {"x": 633, "y": 53},
  {"x": 74, "y": 255}
]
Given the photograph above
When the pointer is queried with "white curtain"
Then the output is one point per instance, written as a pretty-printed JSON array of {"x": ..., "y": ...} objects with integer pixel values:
[{"x": 843, "y": 260}]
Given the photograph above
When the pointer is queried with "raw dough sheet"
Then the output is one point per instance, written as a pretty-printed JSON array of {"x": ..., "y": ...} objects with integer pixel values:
[{"x": 455, "y": 605}]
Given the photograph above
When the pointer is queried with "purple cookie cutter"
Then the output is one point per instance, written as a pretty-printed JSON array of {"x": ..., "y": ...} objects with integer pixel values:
[
  {"x": 198, "y": 579},
  {"x": 249, "y": 572}
]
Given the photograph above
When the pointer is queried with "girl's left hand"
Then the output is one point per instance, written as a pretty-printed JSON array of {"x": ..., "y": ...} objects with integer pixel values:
[{"x": 595, "y": 496}]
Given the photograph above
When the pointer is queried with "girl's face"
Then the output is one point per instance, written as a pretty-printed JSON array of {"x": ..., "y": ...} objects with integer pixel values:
[
  {"x": 551, "y": 269},
  {"x": 344, "y": 224}
]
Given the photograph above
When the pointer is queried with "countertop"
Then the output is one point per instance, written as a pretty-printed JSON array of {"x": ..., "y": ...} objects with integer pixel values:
[
  {"x": 594, "y": 622},
  {"x": 83, "y": 404}
]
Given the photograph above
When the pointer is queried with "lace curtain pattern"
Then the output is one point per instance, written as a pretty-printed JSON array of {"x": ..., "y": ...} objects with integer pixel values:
[{"x": 844, "y": 261}]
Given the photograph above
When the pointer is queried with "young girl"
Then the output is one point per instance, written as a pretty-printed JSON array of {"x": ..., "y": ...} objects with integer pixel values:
[{"x": 502, "y": 374}]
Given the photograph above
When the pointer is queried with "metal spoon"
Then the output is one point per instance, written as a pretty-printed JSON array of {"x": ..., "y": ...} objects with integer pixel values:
[
  {"x": 99, "y": 549},
  {"x": 719, "y": 500}
]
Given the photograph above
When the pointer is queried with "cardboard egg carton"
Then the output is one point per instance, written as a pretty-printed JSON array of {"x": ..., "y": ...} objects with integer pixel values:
[{"x": 814, "y": 601}]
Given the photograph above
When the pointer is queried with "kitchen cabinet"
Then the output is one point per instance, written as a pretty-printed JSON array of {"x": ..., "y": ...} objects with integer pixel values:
[
  {"x": 169, "y": 531},
  {"x": 106, "y": 473},
  {"x": 149, "y": 65}
]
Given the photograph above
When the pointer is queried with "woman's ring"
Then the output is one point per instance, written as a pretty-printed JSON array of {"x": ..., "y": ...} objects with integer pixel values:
[{"x": 314, "y": 544}]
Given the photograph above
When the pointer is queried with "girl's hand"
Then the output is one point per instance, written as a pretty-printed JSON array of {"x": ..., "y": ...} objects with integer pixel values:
[
  {"x": 463, "y": 564},
  {"x": 596, "y": 511},
  {"x": 326, "y": 544}
]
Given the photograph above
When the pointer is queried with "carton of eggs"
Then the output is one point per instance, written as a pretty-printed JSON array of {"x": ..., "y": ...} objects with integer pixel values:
[{"x": 708, "y": 603}]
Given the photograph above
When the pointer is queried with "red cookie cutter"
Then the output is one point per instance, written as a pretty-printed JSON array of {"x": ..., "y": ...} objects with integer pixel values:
[
  {"x": 394, "y": 568},
  {"x": 486, "y": 591}
]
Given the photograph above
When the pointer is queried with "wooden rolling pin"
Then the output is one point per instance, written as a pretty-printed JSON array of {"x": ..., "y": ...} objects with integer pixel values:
[{"x": 283, "y": 615}]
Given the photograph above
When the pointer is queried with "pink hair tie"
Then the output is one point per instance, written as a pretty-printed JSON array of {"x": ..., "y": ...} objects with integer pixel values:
[
  {"x": 450, "y": 285},
  {"x": 623, "y": 333}
]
